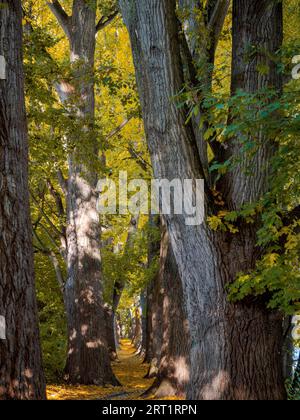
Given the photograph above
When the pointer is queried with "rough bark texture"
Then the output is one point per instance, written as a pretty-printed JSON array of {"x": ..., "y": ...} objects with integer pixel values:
[
  {"x": 149, "y": 332},
  {"x": 156, "y": 324},
  {"x": 155, "y": 295},
  {"x": 174, "y": 367},
  {"x": 88, "y": 359},
  {"x": 236, "y": 348},
  {"x": 137, "y": 331},
  {"x": 153, "y": 252},
  {"x": 21, "y": 375},
  {"x": 265, "y": 35}
]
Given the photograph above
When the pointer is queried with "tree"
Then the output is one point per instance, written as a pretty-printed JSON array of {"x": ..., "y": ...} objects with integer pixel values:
[
  {"x": 173, "y": 364},
  {"x": 52, "y": 126},
  {"x": 155, "y": 295},
  {"x": 236, "y": 347},
  {"x": 88, "y": 359},
  {"x": 21, "y": 374}
]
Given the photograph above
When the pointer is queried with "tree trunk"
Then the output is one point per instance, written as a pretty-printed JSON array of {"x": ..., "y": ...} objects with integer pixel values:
[
  {"x": 153, "y": 253},
  {"x": 88, "y": 359},
  {"x": 156, "y": 324},
  {"x": 110, "y": 332},
  {"x": 144, "y": 322},
  {"x": 155, "y": 295},
  {"x": 174, "y": 367},
  {"x": 120, "y": 284},
  {"x": 236, "y": 348},
  {"x": 149, "y": 332},
  {"x": 137, "y": 333},
  {"x": 21, "y": 374}
]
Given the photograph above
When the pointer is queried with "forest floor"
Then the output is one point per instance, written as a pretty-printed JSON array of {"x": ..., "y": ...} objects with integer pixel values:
[{"x": 130, "y": 372}]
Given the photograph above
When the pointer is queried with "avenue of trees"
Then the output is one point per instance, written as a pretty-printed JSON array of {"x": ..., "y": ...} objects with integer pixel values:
[{"x": 165, "y": 89}]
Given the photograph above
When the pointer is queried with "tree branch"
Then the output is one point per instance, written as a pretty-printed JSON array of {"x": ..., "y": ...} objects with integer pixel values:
[
  {"x": 58, "y": 232},
  {"x": 119, "y": 128},
  {"x": 53, "y": 258},
  {"x": 139, "y": 159},
  {"x": 188, "y": 58},
  {"x": 119, "y": 284},
  {"x": 58, "y": 200},
  {"x": 59, "y": 205},
  {"x": 216, "y": 19},
  {"x": 62, "y": 181},
  {"x": 214, "y": 16},
  {"x": 62, "y": 249},
  {"x": 61, "y": 16},
  {"x": 106, "y": 20}
]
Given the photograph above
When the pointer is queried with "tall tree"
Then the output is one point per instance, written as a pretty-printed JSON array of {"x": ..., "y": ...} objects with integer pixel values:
[
  {"x": 236, "y": 348},
  {"x": 21, "y": 374},
  {"x": 88, "y": 359}
]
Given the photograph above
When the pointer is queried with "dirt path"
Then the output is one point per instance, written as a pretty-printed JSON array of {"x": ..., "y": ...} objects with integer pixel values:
[{"x": 129, "y": 370}]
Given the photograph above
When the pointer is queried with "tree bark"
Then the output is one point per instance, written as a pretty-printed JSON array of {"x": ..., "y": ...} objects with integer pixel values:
[
  {"x": 236, "y": 348},
  {"x": 88, "y": 359},
  {"x": 21, "y": 374},
  {"x": 149, "y": 332},
  {"x": 137, "y": 333},
  {"x": 155, "y": 321},
  {"x": 153, "y": 253},
  {"x": 110, "y": 332},
  {"x": 174, "y": 367},
  {"x": 240, "y": 186}
]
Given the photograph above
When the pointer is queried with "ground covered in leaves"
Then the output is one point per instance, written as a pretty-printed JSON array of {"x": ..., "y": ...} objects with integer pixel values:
[{"x": 130, "y": 371}]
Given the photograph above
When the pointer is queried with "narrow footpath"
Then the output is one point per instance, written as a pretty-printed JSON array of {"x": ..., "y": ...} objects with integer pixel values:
[{"x": 130, "y": 371}]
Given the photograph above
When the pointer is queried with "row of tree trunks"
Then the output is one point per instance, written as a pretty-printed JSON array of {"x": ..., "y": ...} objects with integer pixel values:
[
  {"x": 153, "y": 253},
  {"x": 137, "y": 328},
  {"x": 21, "y": 374},
  {"x": 155, "y": 293},
  {"x": 88, "y": 360},
  {"x": 173, "y": 367},
  {"x": 236, "y": 348},
  {"x": 149, "y": 332},
  {"x": 119, "y": 284},
  {"x": 144, "y": 310}
]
